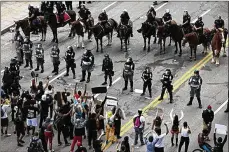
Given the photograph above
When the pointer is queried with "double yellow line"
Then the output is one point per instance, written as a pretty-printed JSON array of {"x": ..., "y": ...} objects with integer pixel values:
[{"x": 176, "y": 85}]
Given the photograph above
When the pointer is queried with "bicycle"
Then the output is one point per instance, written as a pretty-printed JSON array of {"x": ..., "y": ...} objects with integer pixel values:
[{"x": 201, "y": 150}]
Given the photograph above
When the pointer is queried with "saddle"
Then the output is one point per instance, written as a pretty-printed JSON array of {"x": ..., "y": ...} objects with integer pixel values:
[
  {"x": 36, "y": 21},
  {"x": 66, "y": 17}
]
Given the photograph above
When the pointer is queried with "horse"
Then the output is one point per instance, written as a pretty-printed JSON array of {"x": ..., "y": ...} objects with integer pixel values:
[
  {"x": 99, "y": 32},
  {"x": 124, "y": 35},
  {"x": 194, "y": 41},
  {"x": 26, "y": 28},
  {"x": 176, "y": 33},
  {"x": 216, "y": 44},
  {"x": 147, "y": 31},
  {"x": 53, "y": 22}
]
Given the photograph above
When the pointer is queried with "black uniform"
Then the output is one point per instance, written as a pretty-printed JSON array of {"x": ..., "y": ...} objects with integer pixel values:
[
  {"x": 195, "y": 83},
  {"x": 27, "y": 49},
  {"x": 84, "y": 15},
  {"x": 125, "y": 21},
  {"x": 128, "y": 73},
  {"x": 198, "y": 24},
  {"x": 107, "y": 67},
  {"x": 70, "y": 61},
  {"x": 18, "y": 45},
  {"x": 166, "y": 81},
  {"x": 55, "y": 59},
  {"x": 219, "y": 23},
  {"x": 151, "y": 14},
  {"x": 87, "y": 63},
  {"x": 60, "y": 10},
  {"x": 167, "y": 17},
  {"x": 40, "y": 59},
  {"x": 186, "y": 23},
  {"x": 68, "y": 5},
  {"x": 147, "y": 78}
]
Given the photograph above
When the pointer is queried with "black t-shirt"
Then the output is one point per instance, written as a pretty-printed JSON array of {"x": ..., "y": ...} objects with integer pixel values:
[
  {"x": 44, "y": 107},
  {"x": 19, "y": 124}
]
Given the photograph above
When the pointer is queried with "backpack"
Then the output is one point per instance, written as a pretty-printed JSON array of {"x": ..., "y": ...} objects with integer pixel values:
[
  {"x": 2, "y": 113},
  {"x": 137, "y": 122},
  {"x": 34, "y": 147}
]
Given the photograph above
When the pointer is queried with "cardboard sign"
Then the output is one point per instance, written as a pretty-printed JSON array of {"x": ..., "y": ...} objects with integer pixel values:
[
  {"x": 111, "y": 102},
  {"x": 96, "y": 90},
  {"x": 221, "y": 129}
]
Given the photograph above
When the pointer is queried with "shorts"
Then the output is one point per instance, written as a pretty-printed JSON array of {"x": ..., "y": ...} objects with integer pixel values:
[
  {"x": 20, "y": 132},
  {"x": 4, "y": 122},
  {"x": 31, "y": 122},
  {"x": 174, "y": 131}
]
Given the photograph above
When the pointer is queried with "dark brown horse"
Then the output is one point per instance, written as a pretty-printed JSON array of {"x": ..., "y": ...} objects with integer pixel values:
[
  {"x": 176, "y": 33},
  {"x": 99, "y": 32},
  {"x": 216, "y": 44},
  {"x": 52, "y": 20},
  {"x": 26, "y": 28},
  {"x": 194, "y": 41},
  {"x": 147, "y": 31}
]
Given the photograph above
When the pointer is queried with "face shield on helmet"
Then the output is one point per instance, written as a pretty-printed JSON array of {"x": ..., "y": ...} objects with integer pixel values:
[
  {"x": 103, "y": 11},
  {"x": 70, "y": 48},
  {"x": 168, "y": 71},
  {"x": 200, "y": 18},
  {"x": 185, "y": 12},
  {"x": 124, "y": 11},
  {"x": 151, "y": 6},
  {"x": 39, "y": 46},
  {"x": 129, "y": 59},
  {"x": 219, "y": 17}
]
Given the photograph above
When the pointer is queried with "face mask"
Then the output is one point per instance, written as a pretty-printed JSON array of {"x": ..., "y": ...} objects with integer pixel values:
[{"x": 209, "y": 110}]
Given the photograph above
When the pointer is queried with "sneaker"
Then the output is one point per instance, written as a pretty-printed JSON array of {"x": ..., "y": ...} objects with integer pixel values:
[
  {"x": 66, "y": 75},
  {"x": 119, "y": 137},
  {"x": 142, "y": 144},
  {"x": 20, "y": 145},
  {"x": 67, "y": 144},
  {"x": 82, "y": 80},
  {"x": 226, "y": 111},
  {"x": 124, "y": 89},
  {"x": 189, "y": 104},
  {"x": 22, "y": 141},
  {"x": 142, "y": 94},
  {"x": 160, "y": 99},
  {"x": 7, "y": 135},
  {"x": 200, "y": 106},
  {"x": 59, "y": 144},
  {"x": 104, "y": 83}
]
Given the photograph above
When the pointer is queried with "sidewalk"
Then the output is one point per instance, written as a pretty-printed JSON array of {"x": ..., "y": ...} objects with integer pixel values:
[{"x": 14, "y": 11}]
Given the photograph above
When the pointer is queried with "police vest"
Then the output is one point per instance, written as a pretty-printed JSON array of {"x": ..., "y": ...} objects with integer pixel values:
[
  {"x": 26, "y": 48},
  {"x": 146, "y": 75},
  {"x": 87, "y": 60},
  {"x": 166, "y": 78},
  {"x": 69, "y": 55},
  {"x": 39, "y": 53},
  {"x": 54, "y": 54},
  {"x": 186, "y": 18},
  {"x": 167, "y": 17},
  {"x": 199, "y": 24},
  {"x": 195, "y": 81},
  {"x": 107, "y": 63},
  {"x": 128, "y": 68}
]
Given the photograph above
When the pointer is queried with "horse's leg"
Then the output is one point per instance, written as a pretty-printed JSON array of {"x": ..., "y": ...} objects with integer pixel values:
[
  {"x": 213, "y": 56},
  {"x": 170, "y": 41},
  {"x": 111, "y": 37},
  {"x": 195, "y": 53},
  {"x": 144, "y": 47},
  {"x": 176, "y": 47},
  {"x": 149, "y": 43},
  {"x": 224, "y": 49},
  {"x": 180, "y": 54},
  {"x": 101, "y": 44},
  {"x": 191, "y": 53},
  {"x": 83, "y": 42},
  {"x": 164, "y": 40},
  {"x": 126, "y": 44},
  {"x": 155, "y": 39},
  {"x": 53, "y": 32},
  {"x": 45, "y": 30},
  {"x": 77, "y": 45},
  {"x": 97, "y": 43},
  {"x": 56, "y": 36},
  {"x": 42, "y": 34},
  {"x": 121, "y": 43}
]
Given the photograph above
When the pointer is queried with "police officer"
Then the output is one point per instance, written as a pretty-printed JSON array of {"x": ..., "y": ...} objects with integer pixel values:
[
  {"x": 219, "y": 23},
  {"x": 68, "y": 5},
  {"x": 152, "y": 11},
  {"x": 125, "y": 20},
  {"x": 84, "y": 14},
  {"x": 107, "y": 67},
  {"x": 128, "y": 73},
  {"x": 195, "y": 83},
  {"x": 103, "y": 17},
  {"x": 40, "y": 57},
  {"x": 186, "y": 22},
  {"x": 27, "y": 50},
  {"x": 166, "y": 80},
  {"x": 33, "y": 13},
  {"x": 147, "y": 78},
  {"x": 55, "y": 59},
  {"x": 167, "y": 18},
  {"x": 60, "y": 11},
  {"x": 70, "y": 61},
  {"x": 87, "y": 63},
  {"x": 18, "y": 46},
  {"x": 199, "y": 25}
]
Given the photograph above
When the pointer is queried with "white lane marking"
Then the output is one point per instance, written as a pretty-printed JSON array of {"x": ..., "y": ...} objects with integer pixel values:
[
  {"x": 57, "y": 77},
  {"x": 109, "y": 86},
  {"x": 201, "y": 15},
  {"x": 160, "y": 7},
  {"x": 221, "y": 107},
  {"x": 138, "y": 91},
  {"x": 2, "y": 71},
  {"x": 109, "y": 6}
]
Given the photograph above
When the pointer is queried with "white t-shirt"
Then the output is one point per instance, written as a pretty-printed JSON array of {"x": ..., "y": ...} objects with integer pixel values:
[
  {"x": 160, "y": 141},
  {"x": 5, "y": 109}
]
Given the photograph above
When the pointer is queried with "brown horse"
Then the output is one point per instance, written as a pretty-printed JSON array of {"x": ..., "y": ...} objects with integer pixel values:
[
  {"x": 26, "y": 28},
  {"x": 217, "y": 43},
  {"x": 193, "y": 40}
]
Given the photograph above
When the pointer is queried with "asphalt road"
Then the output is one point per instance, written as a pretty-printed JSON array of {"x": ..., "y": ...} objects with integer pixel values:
[{"x": 214, "y": 90}]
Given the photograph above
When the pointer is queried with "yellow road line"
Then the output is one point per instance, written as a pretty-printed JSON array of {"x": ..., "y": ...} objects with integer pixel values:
[{"x": 177, "y": 84}]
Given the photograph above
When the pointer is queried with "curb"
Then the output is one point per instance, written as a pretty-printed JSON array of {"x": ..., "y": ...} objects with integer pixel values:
[{"x": 7, "y": 29}]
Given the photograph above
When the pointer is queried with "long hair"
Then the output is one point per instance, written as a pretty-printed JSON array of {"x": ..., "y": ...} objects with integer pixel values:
[{"x": 176, "y": 121}]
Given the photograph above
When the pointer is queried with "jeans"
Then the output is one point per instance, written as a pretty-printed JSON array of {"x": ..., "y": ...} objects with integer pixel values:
[
  {"x": 182, "y": 141},
  {"x": 206, "y": 147},
  {"x": 138, "y": 132}
]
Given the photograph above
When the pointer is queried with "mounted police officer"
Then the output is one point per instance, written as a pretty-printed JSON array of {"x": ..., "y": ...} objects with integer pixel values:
[
  {"x": 18, "y": 46},
  {"x": 167, "y": 18},
  {"x": 87, "y": 63},
  {"x": 33, "y": 13},
  {"x": 55, "y": 58},
  {"x": 152, "y": 12},
  {"x": 125, "y": 20},
  {"x": 147, "y": 81},
  {"x": 84, "y": 14},
  {"x": 166, "y": 80},
  {"x": 103, "y": 17},
  {"x": 198, "y": 26},
  {"x": 195, "y": 83},
  {"x": 219, "y": 23},
  {"x": 40, "y": 57},
  {"x": 187, "y": 22},
  {"x": 70, "y": 61},
  {"x": 107, "y": 67},
  {"x": 128, "y": 73},
  {"x": 27, "y": 50}
]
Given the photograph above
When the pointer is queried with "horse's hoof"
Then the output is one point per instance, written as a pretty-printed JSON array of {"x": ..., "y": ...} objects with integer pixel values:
[
  {"x": 175, "y": 52},
  {"x": 53, "y": 40},
  {"x": 180, "y": 55},
  {"x": 83, "y": 47},
  {"x": 69, "y": 36},
  {"x": 41, "y": 40},
  {"x": 169, "y": 45},
  {"x": 202, "y": 52},
  {"x": 164, "y": 52},
  {"x": 224, "y": 55},
  {"x": 194, "y": 59},
  {"x": 144, "y": 48},
  {"x": 154, "y": 42}
]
